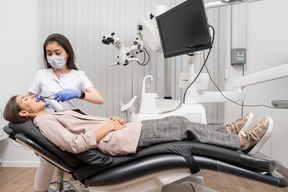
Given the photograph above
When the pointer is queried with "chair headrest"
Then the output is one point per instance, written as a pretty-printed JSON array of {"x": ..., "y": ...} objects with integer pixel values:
[{"x": 19, "y": 128}]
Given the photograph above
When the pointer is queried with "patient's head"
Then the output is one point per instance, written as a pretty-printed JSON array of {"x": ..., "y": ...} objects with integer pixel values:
[{"x": 21, "y": 108}]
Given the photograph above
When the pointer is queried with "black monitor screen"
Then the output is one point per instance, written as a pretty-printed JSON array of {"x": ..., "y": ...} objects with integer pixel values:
[{"x": 184, "y": 29}]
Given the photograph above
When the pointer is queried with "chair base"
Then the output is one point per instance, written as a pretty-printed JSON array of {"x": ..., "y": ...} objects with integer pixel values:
[
  {"x": 71, "y": 186},
  {"x": 152, "y": 182}
]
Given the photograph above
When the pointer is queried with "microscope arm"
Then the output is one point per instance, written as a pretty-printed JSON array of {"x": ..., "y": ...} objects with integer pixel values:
[{"x": 125, "y": 54}]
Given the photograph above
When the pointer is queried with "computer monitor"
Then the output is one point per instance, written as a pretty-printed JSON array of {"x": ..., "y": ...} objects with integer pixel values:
[{"x": 184, "y": 29}]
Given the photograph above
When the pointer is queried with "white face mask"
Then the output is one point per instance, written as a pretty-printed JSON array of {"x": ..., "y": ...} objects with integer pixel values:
[{"x": 56, "y": 62}]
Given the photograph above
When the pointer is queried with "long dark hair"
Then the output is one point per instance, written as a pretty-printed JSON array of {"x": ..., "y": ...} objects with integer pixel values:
[
  {"x": 11, "y": 112},
  {"x": 63, "y": 42}
]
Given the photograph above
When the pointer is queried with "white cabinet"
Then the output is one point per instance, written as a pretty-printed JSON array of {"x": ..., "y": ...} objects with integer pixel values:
[{"x": 280, "y": 136}]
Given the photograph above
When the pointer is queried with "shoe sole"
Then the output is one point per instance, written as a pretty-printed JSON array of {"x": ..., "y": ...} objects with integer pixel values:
[
  {"x": 247, "y": 124},
  {"x": 267, "y": 135}
]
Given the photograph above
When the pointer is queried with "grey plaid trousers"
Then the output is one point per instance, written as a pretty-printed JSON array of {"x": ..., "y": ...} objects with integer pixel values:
[{"x": 176, "y": 128}]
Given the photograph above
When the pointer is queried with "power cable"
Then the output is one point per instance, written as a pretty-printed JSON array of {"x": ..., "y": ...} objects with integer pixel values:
[{"x": 184, "y": 96}]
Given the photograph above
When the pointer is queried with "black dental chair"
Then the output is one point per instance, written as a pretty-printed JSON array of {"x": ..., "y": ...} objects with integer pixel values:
[{"x": 150, "y": 168}]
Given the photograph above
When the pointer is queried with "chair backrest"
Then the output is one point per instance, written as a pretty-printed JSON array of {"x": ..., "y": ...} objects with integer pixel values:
[{"x": 29, "y": 130}]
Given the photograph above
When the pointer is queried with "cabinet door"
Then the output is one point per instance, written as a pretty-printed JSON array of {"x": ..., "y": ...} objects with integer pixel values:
[{"x": 279, "y": 136}]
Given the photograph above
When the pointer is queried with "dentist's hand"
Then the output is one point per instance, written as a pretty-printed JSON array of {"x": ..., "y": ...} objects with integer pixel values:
[
  {"x": 67, "y": 94},
  {"x": 41, "y": 98}
]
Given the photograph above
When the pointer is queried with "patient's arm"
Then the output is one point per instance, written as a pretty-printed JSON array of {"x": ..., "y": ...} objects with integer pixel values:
[
  {"x": 54, "y": 131},
  {"x": 111, "y": 126}
]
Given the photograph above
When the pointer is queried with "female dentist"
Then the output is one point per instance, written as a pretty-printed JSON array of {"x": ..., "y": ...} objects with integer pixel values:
[{"x": 62, "y": 84}]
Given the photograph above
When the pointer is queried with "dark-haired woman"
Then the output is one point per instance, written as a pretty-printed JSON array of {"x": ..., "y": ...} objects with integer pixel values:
[
  {"x": 64, "y": 84},
  {"x": 61, "y": 80}
]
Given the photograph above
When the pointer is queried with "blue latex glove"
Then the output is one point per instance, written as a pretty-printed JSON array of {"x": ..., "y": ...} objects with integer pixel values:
[
  {"x": 67, "y": 94},
  {"x": 41, "y": 98}
]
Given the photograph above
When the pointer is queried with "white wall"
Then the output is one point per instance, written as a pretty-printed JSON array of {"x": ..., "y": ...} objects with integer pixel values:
[
  {"x": 267, "y": 46},
  {"x": 20, "y": 50}
]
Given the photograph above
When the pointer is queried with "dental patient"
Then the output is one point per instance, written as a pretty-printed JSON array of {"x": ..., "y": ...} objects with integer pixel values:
[{"x": 76, "y": 132}]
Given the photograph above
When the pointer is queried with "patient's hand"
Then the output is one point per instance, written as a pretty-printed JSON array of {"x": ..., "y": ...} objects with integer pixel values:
[
  {"x": 115, "y": 118},
  {"x": 113, "y": 125},
  {"x": 116, "y": 125}
]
